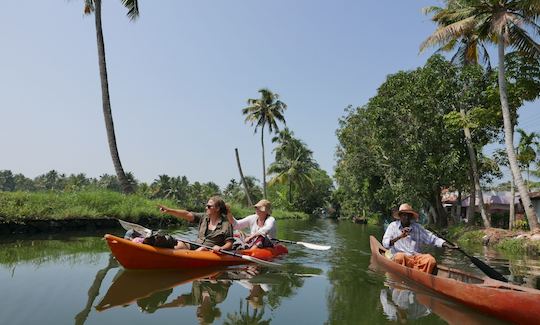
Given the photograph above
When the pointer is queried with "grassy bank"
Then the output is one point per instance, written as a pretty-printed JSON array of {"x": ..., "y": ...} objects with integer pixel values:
[{"x": 21, "y": 206}]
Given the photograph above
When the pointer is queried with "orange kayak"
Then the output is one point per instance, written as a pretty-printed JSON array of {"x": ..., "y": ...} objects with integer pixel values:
[
  {"x": 133, "y": 255},
  {"x": 503, "y": 300}
]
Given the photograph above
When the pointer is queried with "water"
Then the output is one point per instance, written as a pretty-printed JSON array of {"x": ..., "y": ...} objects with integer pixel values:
[{"x": 73, "y": 280}]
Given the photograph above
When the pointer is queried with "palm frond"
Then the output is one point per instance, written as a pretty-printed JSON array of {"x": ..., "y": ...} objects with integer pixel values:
[
  {"x": 132, "y": 7},
  {"x": 445, "y": 34}
]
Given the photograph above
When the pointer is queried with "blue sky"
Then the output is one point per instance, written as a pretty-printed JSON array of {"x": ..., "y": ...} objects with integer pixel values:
[{"x": 180, "y": 75}]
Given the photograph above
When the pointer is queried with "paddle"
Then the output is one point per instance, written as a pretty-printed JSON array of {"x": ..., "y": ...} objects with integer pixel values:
[
  {"x": 147, "y": 232},
  {"x": 308, "y": 245},
  {"x": 488, "y": 270}
]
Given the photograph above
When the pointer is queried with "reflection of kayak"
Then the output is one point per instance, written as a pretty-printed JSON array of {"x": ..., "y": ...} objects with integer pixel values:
[
  {"x": 132, "y": 285},
  {"x": 503, "y": 300},
  {"x": 140, "y": 256}
]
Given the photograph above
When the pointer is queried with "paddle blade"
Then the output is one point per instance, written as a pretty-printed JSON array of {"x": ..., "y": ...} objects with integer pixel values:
[
  {"x": 259, "y": 261},
  {"x": 145, "y": 232},
  {"x": 488, "y": 270},
  {"x": 314, "y": 246}
]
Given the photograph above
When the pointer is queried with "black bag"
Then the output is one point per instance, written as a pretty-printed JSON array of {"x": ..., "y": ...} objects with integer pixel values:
[{"x": 159, "y": 240}]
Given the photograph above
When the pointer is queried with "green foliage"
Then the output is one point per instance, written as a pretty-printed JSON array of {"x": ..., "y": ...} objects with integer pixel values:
[
  {"x": 471, "y": 238},
  {"x": 397, "y": 147},
  {"x": 521, "y": 225},
  {"x": 513, "y": 246}
]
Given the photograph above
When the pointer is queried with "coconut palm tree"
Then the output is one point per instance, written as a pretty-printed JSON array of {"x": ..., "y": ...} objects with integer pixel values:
[
  {"x": 294, "y": 162},
  {"x": 263, "y": 111},
  {"x": 94, "y": 6},
  {"x": 526, "y": 146},
  {"x": 505, "y": 23},
  {"x": 469, "y": 49}
]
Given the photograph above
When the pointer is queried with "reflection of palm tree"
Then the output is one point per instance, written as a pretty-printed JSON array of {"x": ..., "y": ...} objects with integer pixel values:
[
  {"x": 93, "y": 292},
  {"x": 244, "y": 317}
]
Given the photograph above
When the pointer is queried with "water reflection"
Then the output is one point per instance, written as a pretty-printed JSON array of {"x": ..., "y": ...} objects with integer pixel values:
[{"x": 152, "y": 291}]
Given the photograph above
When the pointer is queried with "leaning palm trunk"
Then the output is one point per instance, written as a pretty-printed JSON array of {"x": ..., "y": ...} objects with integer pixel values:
[
  {"x": 246, "y": 189},
  {"x": 472, "y": 202},
  {"x": 512, "y": 212},
  {"x": 107, "y": 113},
  {"x": 264, "y": 163},
  {"x": 474, "y": 171},
  {"x": 508, "y": 140}
]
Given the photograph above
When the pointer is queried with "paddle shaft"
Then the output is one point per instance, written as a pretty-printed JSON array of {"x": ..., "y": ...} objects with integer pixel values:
[
  {"x": 307, "y": 245},
  {"x": 488, "y": 270}
]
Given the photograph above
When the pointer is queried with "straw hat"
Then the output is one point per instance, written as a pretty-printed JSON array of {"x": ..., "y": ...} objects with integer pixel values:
[{"x": 405, "y": 208}]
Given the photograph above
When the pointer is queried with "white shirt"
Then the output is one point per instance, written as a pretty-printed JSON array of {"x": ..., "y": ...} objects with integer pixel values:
[
  {"x": 269, "y": 227},
  {"x": 409, "y": 245}
]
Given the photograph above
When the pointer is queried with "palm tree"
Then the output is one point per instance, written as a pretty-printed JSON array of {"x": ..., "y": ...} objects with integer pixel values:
[
  {"x": 470, "y": 48},
  {"x": 266, "y": 110},
  {"x": 294, "y": 162},
  {"x": 133, "y": 12},
  {"x": 505, "y": 23},
  {"x": 527, "y": 153}
]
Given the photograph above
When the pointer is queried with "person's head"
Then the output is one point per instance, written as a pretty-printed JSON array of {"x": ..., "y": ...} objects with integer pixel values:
[
  {"x": 405, "y": 214},
  {"x": 216, "y": 206},
  {"x": 263, "y": 208}
]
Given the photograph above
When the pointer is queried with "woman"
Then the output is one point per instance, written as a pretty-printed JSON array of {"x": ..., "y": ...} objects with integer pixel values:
[
  {"x": 214, "y": 228},
  {"x": 261, "y": 224}
]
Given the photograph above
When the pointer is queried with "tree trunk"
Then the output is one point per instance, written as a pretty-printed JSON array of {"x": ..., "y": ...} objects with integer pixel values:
[
  {"x": 512, "y": 212},
  {"x": 472, "y": 203},
  {"x": 508, "y": 140},
  {"x": 264, "y": 162},
  {"x": 458, "y": 208},
  {"x": 107, "y": 113},
  {"x": 442, "y": 220},
  {"x": 474, "y": 171},
  {"x": 246, "y": 189}
]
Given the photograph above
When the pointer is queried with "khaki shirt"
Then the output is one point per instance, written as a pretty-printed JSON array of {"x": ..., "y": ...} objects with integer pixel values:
[{"x": 218, "y": 236}]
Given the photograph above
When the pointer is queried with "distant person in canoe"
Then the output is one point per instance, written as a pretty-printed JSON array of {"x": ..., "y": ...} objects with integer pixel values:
[
  {"x": 404, "y": 236},
  {"x": 262, "y": 225},
  {"x": 214, "y": 228}
]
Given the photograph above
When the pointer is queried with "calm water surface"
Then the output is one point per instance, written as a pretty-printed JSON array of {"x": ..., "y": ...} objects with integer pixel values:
[{"x": 74, "y": 280}]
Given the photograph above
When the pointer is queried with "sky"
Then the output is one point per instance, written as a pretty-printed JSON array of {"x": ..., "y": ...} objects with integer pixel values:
[{"x": 181, "y": 73}]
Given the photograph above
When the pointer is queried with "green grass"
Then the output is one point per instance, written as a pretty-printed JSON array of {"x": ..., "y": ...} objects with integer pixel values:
[
  {"x": 15, "y": 206},
  {"x": 519, "y": 246},
  {"x": 21, "y": 206}
]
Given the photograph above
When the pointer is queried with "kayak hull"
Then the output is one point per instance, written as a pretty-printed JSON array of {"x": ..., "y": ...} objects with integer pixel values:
[
  {"x": 503, "y": 300},
  {"x": 133, "y": 255}
]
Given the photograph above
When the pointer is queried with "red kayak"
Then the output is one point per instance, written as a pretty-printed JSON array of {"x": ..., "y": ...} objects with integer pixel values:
[
  {"x": 141, "y": 256},
  {"x": 503, "y": 300}
]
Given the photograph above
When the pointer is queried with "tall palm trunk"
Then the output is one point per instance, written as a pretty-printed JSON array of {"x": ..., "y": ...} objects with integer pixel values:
[
  {"x": 107, "y": 113},
  {"x": 512, "y": 212},
  {"x": 508, "y": 140},
  {"x": 246, "y": 189},
  {"x": 474, "y": 170},
  {"x": 472, "y": 202},
  {"x": 264, "y": 162}
]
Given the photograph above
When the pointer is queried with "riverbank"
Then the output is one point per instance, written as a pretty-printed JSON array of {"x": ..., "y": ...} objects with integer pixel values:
[
  {"x": 510, "y": 241},
  {"x": 37, "y": 212}
]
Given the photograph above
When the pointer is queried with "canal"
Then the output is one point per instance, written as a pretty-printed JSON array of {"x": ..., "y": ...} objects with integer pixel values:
[{"x": 72, "y": 279}]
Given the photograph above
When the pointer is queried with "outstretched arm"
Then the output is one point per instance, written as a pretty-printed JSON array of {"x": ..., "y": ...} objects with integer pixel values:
[{"x": 182, "y": 214}]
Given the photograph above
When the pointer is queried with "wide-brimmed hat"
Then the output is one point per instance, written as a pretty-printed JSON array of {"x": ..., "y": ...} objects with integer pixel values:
[
  {"x": 264, "y": 205},
  {"x": 405, "y": 208}
]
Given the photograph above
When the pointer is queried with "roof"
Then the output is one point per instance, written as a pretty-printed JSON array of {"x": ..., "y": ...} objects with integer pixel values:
[{"x": 501, "y": 198}]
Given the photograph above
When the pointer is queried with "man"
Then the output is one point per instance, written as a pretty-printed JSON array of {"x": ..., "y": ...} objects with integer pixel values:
[{"x": 404, "y": 236}]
